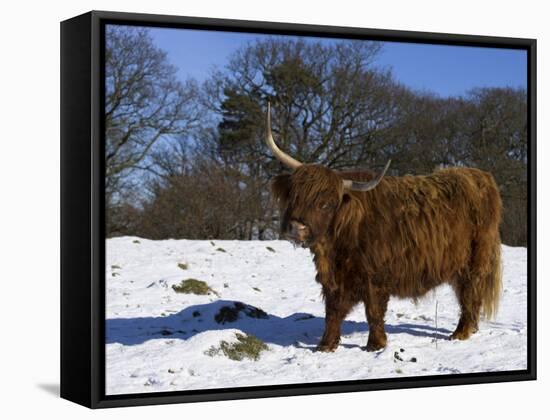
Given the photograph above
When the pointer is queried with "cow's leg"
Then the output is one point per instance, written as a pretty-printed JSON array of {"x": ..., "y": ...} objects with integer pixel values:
[
  {"x": 470, "y": 306},
  {"x": 481, "y": 285},
  {"x": 376, "y": 303},
  {"x": 336, "y": 309}
]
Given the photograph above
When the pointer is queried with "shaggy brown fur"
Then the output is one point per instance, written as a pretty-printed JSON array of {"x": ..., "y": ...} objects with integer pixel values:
[{"x": 403, "y": 238}]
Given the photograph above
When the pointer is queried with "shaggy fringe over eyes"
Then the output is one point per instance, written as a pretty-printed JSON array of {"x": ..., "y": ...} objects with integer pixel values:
[{"x": 348, "y": 217}]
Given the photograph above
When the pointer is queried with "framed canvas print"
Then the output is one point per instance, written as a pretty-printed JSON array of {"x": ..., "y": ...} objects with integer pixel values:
[{"x": 255, "y": 209}]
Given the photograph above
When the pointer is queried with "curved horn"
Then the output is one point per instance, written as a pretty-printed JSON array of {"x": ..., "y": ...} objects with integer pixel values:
[
  {"x": 278, "y": 153},
  {"x": 366, "y": 186}
]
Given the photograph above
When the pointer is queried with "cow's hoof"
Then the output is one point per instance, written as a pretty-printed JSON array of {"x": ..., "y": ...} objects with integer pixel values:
[
  {"x": 461, "y": 335},
  {"x": 326, "y": 348},
  {"x": 377, "y": 340},
  {"x": 375, "y": 346}
]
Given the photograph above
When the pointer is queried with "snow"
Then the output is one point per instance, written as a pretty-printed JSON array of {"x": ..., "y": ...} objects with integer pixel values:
[{"x": 156, "y": 339}]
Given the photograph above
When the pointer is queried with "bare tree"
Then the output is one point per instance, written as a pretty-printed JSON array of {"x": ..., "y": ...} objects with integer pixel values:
[
  {"x": 497, "y": 123},
  {"x": 144, "y": 101},
  {"x": 205, "y": 201}
]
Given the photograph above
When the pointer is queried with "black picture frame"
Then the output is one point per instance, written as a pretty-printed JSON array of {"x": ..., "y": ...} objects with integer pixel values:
[{"x": 82, "y": 209}]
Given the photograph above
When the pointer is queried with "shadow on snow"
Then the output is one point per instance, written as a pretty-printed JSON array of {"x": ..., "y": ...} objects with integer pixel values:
[{"x": 299, "y": 329}]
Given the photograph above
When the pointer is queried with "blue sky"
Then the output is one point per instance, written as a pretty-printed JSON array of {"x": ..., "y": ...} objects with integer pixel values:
[{"x": 444, "y": 70}]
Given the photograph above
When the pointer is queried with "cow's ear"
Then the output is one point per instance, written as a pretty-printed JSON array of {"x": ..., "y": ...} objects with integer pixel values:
[{"x": 280, "y": 187}]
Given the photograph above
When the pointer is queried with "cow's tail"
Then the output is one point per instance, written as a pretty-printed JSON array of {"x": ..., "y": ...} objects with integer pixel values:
[
  {"x": 488, "y": 258},
  {"x": 491, "y": 284}
]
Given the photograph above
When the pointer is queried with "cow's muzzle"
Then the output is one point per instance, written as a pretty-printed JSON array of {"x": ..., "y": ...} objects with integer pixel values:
[{"x": 297, "y": 233}]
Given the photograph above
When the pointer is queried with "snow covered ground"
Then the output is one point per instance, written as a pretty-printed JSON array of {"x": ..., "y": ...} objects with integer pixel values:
[{"x": 157, "y": 338}]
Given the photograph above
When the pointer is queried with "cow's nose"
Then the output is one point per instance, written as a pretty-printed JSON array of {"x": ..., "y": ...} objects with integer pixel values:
[
  {"x": 298, "y": 230},
  {"x": 297, "y": 226}
]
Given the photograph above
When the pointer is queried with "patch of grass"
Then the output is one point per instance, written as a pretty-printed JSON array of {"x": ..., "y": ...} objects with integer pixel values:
[
  {"x": 221, "y": 250},
  {"x": 135, "y": 241},
  {"x": 192, "y": 286},
  {"x": 114, "y": 274},
  {"x": 212, "y": 243},
  {"x": 246, "y": 347},
  {"x": 269, "y": 249},
  {"x": 398, "y": 371},
  {"x": 256, "y": 289},
  {"x": 183, "y": 266},
  {"x": 115, "y": 267}
]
